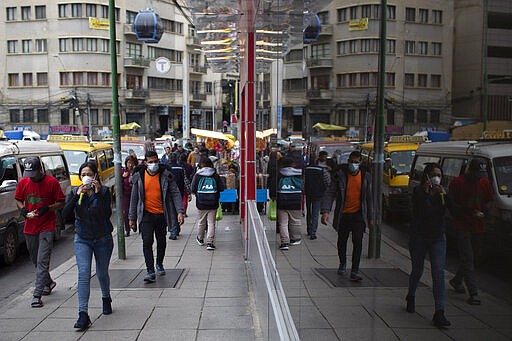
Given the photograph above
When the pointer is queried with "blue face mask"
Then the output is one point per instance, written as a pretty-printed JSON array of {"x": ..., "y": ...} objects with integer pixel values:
[
  {"x": 353, "y": 167},
  {"x": 153, "y": 167}
]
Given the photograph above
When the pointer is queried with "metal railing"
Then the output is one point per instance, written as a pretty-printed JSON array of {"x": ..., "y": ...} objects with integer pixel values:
[
  {"x": 137, "y": 61},
  {"x": 196, "y": 96},
  {"x": 319, "y": 62},
  {"x": 137, "y": 93}
]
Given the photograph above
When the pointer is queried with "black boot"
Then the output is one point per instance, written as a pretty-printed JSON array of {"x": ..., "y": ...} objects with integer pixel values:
[
  {"x": 439, "y": 320},
  {"x": 107, "y": 305},
  {"x": 83, "y": 321},
  {"x": 411, "y": 304}
]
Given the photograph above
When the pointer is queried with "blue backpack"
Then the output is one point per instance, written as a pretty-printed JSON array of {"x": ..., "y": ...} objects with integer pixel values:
[{"x": 207, "y": 193}]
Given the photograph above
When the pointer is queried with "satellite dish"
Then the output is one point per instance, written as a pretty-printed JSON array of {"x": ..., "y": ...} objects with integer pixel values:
[
  {"x": 148, "y": 26},
  {"x": 312, "y": 27}
]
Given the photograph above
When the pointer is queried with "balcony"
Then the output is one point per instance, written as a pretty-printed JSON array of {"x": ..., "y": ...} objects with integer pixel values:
[
  {"x": 319, "y": 63},
  {"x": 197, "y": 69},
  {"x": 128, "y": 30},
  {"x": 326, "y": 30},
  {"x": 137, "y": 62},
  {"x": 139, "y": 94},
  {"x": 193, "y": 41},
  {"x": 317, "y": 94},
  {"x": 196, "y": 96}
]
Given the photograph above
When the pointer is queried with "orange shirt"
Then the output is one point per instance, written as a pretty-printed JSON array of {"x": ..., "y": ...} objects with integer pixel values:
[
  {"x": 153, "y": 195},
  {"x": 353, "y": 194}
]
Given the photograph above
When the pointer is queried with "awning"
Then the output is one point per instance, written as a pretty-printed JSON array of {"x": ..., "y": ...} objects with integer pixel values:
[
  {"x": 208, "y": 133},
  {"x": 129, "y": 126},
  {"x": 265, "y": 133},
  {"x": 325, "y": 126}
]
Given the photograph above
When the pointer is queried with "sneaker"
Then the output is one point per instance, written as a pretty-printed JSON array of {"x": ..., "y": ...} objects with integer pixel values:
[
  {"x": 36, "y": 302},
  {"x": 284, "y": 246},
  {"x": 474, "y": 300},
  {"x": 439, "y": 320},
  {"x": 355, "y": 276},
  {"x": 200, "y": 241},
  {"x": 210, "y": 246},
  {"x": 295, "y": 242},
  {"x": 312, "y": 237},
  {"x": 150, "y": 277},
  {"x": 160, "y": 271},
  {"x": 411, "y": 304},
  {"x": 47, "y": 290},
  {"x": 173, "y": 237},
  {"x": 107, "y": 305},
  {"x": 458, "y": 287},
  {"x": 83, "y": 321},
  {"x": 342, "y": 269}
]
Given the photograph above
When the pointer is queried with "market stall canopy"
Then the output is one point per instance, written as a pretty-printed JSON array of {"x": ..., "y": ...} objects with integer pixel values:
[
  {"x": 231, "y": 137},
  {"x": 325, "y": 126},
  {"x": 208, "y": 133},
  {"x": 129, "y": 126}
]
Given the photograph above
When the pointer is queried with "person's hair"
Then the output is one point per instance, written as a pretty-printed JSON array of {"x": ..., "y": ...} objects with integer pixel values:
[
  {"x": 323, "y": 152},
  {"x": 150, "y": 153},
  {"x": 287, "y": 162},
  {"x": 429, "y": 167},
  {"x": 130, "y": 158},
  {"x": 205, "y": 162},
  {"x": 91, "y": 165},
  {"x": 212, "y": 152},
  {"x": 355, "y": 153}
]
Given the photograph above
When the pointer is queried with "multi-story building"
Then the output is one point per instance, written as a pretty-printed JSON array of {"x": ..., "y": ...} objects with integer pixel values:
[
  {"x": 55, "y": 50},
  {"x": 338, "y": 83},
  {"x": 482, "y": 61}
]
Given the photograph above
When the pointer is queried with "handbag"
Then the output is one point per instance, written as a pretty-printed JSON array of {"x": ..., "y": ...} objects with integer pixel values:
[
  {"x": 218, "y": 215},
  {"x": 272, "y": 210}
]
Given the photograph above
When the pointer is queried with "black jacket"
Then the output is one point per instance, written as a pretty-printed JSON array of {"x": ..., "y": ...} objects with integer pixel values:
[
  {"x": 210, "y": 204},
  {"x": 287, "y": 200},
  {"x": 428, "y": 214}
]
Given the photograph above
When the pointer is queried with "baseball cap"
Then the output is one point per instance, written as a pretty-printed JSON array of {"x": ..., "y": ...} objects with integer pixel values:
[{"x": 32, "y": 166}]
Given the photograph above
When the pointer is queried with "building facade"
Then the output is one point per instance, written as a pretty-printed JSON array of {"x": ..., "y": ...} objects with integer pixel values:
[
  {"x": 337, "y": 82},
  {"x": 56, "y": 59}
]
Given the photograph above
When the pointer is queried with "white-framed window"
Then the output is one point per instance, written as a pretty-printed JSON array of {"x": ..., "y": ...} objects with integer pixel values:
[
  {"x": 12, "y": 46},
  {"x": 94, "y": 116},
  {"x": 376, "y": 11},
  {"x": 409, "y": 80},
  {"x": 436, "y": 49},
  {"x": 352, "y": 46},
  {"x": 410, "y": 47},
  {"x": 26, "y": 46},
  {"x": 40, "y": 12},
  {"x": 106, "y": 116},
  {"x": 76, "y": 10},
  {"x": 353, "y": 12},
  {"x": 422, "y": 116},
  {"x": 324, "y": 17},
  {"x": 105, "y": 78},
  {"x": 437, "y": 16},
  {"x": 10, "y": 13},
  {"x": 78, "y": 78},
  {"x": 63, "y": 10},
  {"x": 391, "y": 12},
  {"x": 410, "y": 14},
  {"x": 27, "y": 79},
  {"x": 391, "y": 46},
  {"x": 423, "y": 15},
  {"x": 25, "y": 13},
  {"x": 63, "y": 44},
  {"x": 366, "y": 45},
  {"x": 375, "y": 45},
  {"x": 320, "y": 51},
  {"x": 92, "y": 78},
  {"x": 342, "y": 14},
  {"x": 105, "y": 45},
  {"x": 364, "y": 79},
  {"x": 28, "y": 115},
  {"x": 42, "y": 78},
  {"x": 78, "y": 44},
  {"x": 422, "y": 80},
  {"x": 352, "y": 80},
  {"x": 65, "y": 78},
  {"x": 435, "y": 81},
  {"x": 423, "y": 47},
  {"x": 130, "y": 16},
  {"x": 351, "y": 116},
  {"x": 91, "y": 44},
  {"x": 90, "y": 10},
  {"x": 104, "y": 11},
  {"x": 208, "y": 86},
  {"x": 133, "y": 50},
  {"x": 42, "y": 116},
  {"x": 41, "y": 45},
  {"x": 343, "y": 47}
]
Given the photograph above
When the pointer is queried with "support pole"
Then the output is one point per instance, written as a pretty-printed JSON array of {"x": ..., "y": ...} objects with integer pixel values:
[{"x": 115, "y": 132}]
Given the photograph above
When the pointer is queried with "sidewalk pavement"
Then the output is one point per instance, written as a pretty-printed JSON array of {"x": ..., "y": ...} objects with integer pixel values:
[{"x": 211, "y": 300}]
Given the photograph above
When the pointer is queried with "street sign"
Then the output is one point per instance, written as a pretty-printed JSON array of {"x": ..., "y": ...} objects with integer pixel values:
[{"x": 163, "y": 65}]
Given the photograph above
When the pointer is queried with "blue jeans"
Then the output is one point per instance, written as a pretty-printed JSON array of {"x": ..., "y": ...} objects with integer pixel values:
[
  {"x": 313, "y": 213},
  {"x": 418, "y": 248},
  {"x": 102, "y": 250}
]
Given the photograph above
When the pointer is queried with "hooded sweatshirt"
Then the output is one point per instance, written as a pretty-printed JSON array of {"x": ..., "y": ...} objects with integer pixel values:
[
  {"x": 289, "y": 189},
  {"x": 207, "y": 199}
]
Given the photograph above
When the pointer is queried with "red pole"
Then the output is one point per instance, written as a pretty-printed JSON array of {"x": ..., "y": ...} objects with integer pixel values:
[
  {"x": 251, "y": 128},
  {"x": 243, "y": 148}
]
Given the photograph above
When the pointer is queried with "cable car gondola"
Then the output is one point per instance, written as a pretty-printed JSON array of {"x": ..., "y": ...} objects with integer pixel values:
[{"x": 148, "y": 26}]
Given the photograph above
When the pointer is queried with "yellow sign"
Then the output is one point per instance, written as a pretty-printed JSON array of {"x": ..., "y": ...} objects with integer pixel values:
[
  {"x": 497, "y": 135},
  {"x": 406, "y": 139},
  {"x": 99, "y": 23},
  {"x": 358, "y": 24},
  {"x": 67, "y": 138}
]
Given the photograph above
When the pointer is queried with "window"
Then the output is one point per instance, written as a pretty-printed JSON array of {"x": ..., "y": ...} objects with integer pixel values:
[
  {"x": 103, "y": 160},
  {"x": 14, "y": 79},
  {"x": 419, "y": 166},
  {"x": 94, "y": 116},
  {"x": 324, "y": 17},
  {"x": 63, "y": 10},
  {"x": 91, "y": 44},
  {"x": 41, "y": 45},
  {"x": 422, "y": 116},
  {"x": 341, "y": 80},
  {"x": 353, "y": 12},
  {"x": 26, "y": 46},
  {"x": 42, "y": 78},
  {"x": 376, "y": 11},
  {"x": 437, "y": 16},
  {"x": 42, "y": 115},
  {"x": 365, "y": 45},
  {"x": 76, "y": 10},
  {"x": 208, "y": 87},
  {"x": 130, "y": 17},
  {"x": 351, "y": 116},
  {"x": 423, "y": 48},
  {"x": 408, "y": 116},
  {"x": 320, "y": 51},
  {"x": 341, "y": 116},
  {"x": 133, "y": 82},
  {"x": 105, "y": 45},
  {"x": 422, "y": 80},
  {"x": 343, "y": 47},
  {"x": 352, "y": 45},
  {"x": 133, "y": 50},
  {"x": 78, "y": 44},
  {"x": 64, "y": 116},
  {"x": 106, "y": 116},
  {"x": 390, "y": 79},
  {"x": 375, "y": 45},
  {"x": 435, "y": 116},
  {"x": 14, "y": 115},
  {"x": 55, "y": 166},
  {"x": 28, "y": 115},
  {"x": 352, "y": 80},
  {"x": 12, "y": 46},
  {"x": 172, "y": 55},
  {"x": 452, "y": 168},
  {"x": 172, "y": 26},
  {"x": 110, "y": 157},
  {"x": 11, "y": 13},
  {"x": 435, "y": 81},
  {"x": 391, "y": 45},
  {"x": 366, "y": 11},
  {"x": 410, "y": 47},
  {"x": 40, "y": 12},
  {"x": 63, "y": 45},
  {"x": 27, "y": 79},
  {"x": 390, "y": 119},
  {"x": 423, "y": 15},
  {"x": 342, "y": 14},
  {"x": 364, "y": 79},
  {"x": 391, "y": 12},
  {"x": 65, "y": 78},
  {"x": 105, "y": 79},
  {"x": 104, "y": 11},
  {"x": 78, "y": 78},
  {"x": 374, "y": 78},
  {"x": 90, "y": 10},
  {"x": 436, "y": 49},
  {"x": 25, "y": 13},
  {"x": 92, "y": 78},
  {"x": 410, "y": 14},
  {"x": 409, "y": 79}
]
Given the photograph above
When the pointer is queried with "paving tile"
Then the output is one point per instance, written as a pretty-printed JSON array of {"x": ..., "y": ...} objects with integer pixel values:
[
  {"x": 351, "y": 316},
  {"x": 179, "y": 317},
  {"x": 308, "y": 317},
  {"x": 228, "y": 334},
  {"x": 13, "y": 336},
  {"x": 317, "y": 334},
  {"x": 418, "y": 334},
  {"x": 475, "y": 334},
  {"x": 228, "y": 320},
  {"x": 231, "y": 292},
  {"x": 183, "y": 292},
  {"x": 152, "y": 334},
  {"x": 366, "y": 334},
  {"x": 110, "y": 335},
  {"x": 226, "y": 301},
  {"x": 467, "y": 322},
  {"x": 123, "y": 319},
  {"x": 70, "y": 335},
  {"x": 192, "y": 302}
]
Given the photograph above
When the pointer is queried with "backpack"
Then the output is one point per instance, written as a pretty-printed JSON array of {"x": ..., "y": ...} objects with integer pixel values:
[
  {"x": 207, "y": 193},
  {"x": 290, "y": 185}
]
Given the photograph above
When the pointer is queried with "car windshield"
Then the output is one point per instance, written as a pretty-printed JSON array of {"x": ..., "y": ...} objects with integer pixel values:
[
  {"x": 337, "y": 149},
  {"x": 137, "y": 149},
  {"x": 75, "y": 158},
  {"x": 402, "y": 160},
  {"x": 503, "y": 170}
]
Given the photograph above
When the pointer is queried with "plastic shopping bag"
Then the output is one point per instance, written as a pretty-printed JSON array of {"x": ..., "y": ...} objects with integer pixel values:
[
  {"x": 218, "y": 215},
  {"x": 272, "y": 210}
]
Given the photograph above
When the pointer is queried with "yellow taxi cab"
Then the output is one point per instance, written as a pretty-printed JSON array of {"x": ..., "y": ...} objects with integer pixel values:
[
  {"x": 78, "y": 150},
  {"x": 399, "y": 153}
]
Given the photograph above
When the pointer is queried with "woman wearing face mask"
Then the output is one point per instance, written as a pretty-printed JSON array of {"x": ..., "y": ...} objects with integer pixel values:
[
  {"x": 428, "y": 236},
  {"x": 89, "y": 205},
  {"x": 129, "y": 164}
]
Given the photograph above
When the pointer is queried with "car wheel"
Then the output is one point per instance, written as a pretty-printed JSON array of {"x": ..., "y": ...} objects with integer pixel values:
[{"x": 10, "y": 245}]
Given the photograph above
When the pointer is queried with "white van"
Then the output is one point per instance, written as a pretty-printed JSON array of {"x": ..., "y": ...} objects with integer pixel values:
[
  {"x": 12, "y": 154},
  {"x": 453, "y": 156}
]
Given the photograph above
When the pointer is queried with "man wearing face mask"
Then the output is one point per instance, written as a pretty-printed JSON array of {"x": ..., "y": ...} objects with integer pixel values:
[
  {"x": 38, "y": 196},
  {"x": 351, "y": 188},
  {"x": 155, "y": 203},
  {"x": 471, "y": 196}
]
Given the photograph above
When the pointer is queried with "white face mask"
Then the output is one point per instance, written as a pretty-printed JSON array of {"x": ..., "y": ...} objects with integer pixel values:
[
  {"x": 353, "y": 167},
  {"x": 153, "y": 166},
  {"x": 436, "y": 180},
  {"x": 87, "y": 180}
]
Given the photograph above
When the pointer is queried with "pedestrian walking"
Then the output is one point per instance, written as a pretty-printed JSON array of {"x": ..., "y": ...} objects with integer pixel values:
[
  {"x": 189, "y": 174},
  {"x": 89, "y": 205},
  {"x": 38, "y": 196},
  {"x": 317, "y": 179},
  {"x": 155, "y": 203},
  {"x": 193, "y": 157},
  {"x": 129, "y": 164},
  {"x": 351, "y": 188},
  {"x": 167, "y": 155},
  {"x": 288, "y": 191},
  {"x": 179, "y": 176},
  {"x": 471, "y": 196},
  {"x": 428, "y": 236},
  {"x": 206, "y": 186}
]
